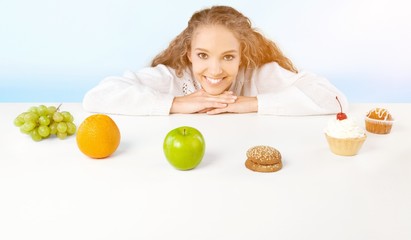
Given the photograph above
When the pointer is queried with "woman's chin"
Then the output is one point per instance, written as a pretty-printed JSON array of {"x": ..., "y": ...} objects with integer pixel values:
[{"x": 214, "y": 91}]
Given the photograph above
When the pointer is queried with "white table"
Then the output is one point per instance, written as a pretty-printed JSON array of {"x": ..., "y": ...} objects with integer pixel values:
[{"x": 50, "y": 190}]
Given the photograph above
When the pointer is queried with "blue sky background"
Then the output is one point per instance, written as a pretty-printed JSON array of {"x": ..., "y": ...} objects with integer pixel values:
[{"x": 55, "y": 50}]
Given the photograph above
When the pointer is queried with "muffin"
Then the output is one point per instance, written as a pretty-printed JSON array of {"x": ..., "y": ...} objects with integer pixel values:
[
  {"x": 344, "y": 137},
  {"x": 263, "y": 159},
  {"x": 379, "y": 121}
]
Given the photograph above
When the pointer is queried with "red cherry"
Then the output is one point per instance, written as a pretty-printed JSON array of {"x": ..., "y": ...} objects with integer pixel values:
[{"x": 340, "y": 115}]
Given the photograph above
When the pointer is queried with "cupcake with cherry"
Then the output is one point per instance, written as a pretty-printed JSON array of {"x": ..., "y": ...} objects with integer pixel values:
[
  {"x": 379, "y": 121},
  {"x": 344, "y": 136}
]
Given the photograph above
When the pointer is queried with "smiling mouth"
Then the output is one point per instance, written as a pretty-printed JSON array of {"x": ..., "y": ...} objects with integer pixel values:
[{"x": 213, "y": 81}]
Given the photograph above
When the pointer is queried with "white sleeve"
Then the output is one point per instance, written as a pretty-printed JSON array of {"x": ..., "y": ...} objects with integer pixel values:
[
  {"x": 282, "y": 92},
  {"x": 147, "y": 92}
]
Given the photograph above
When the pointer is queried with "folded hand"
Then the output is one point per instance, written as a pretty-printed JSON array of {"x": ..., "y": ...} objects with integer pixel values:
[{"x": 202, "y": 102}]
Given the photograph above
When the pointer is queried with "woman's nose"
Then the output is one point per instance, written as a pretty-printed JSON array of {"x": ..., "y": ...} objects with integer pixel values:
[{"x": 215, "y": 68}]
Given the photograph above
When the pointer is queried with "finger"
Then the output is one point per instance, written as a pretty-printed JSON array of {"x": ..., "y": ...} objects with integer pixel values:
[
  {"x": 229, "y": 97},
  {"x": 208, "y": 106},
  {"x": 222, "y": 99},
  {"x": 216, "y": 111},
  {"x": 215, "y": 105},
  {"x": 228, "y": 94},
  {"x": 205, "y": 110}
]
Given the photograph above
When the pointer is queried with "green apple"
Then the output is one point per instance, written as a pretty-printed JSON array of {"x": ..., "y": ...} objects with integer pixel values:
[{"x": 184, "y": 147}]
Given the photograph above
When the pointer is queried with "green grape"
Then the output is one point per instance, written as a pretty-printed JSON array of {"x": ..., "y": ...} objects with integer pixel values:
[
  {"x": 51, "y": 110},
  {"x": 53, "y": 128},
  {"x": 61, "y": 127},
  {"x": 71, "y": 128},
  {"x": 41, "y": 122},
  {"x": 44, "y": 131},
  {"x": 61, "y": 135},
  {"x": 42, "y": 110},
  {"x": 27, "y": 127},
  {"x": 35, "y": 135},
  {"x": 31, "y": 117},
  {"x": 44, "y": 120},
  {"x": 58, "y": 117},
  {"x": 67, "y": 116},
  {"x": 19, "y": 120},
  {"x": 33, "y": 109}
]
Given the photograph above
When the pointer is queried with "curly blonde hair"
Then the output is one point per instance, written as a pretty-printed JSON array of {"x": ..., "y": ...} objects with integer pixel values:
[{"x": 256, "y": 49}]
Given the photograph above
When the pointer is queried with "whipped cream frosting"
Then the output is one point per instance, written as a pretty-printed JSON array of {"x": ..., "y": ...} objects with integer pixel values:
[{"x": 347, "y": 128}]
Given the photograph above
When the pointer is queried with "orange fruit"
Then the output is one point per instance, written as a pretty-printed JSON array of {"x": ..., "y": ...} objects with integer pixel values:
[{"x": 98, "y": 136}]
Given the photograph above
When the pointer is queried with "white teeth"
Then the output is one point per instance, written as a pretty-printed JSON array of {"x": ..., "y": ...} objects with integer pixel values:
[{"x": 213, "y": 80}]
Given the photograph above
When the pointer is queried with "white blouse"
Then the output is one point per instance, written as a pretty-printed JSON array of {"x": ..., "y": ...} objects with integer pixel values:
[{"x": 151, "y": 91}]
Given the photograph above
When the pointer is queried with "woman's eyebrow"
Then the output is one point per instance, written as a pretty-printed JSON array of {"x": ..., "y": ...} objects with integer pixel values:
[
  {"x": 230, "y": 51},
  {"x": 201, "y": 49},
  {"x": 205, "y": 50}
]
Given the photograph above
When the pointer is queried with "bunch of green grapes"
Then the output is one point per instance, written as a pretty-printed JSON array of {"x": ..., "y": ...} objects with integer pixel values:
[{"x": 42, "y": 122}]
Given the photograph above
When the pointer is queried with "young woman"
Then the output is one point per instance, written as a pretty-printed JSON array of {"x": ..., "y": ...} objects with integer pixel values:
[{"x": 218, "y": 64}]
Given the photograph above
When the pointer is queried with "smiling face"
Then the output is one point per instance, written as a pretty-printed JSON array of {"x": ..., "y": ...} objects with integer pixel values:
[{"x": 215, "y": 57}]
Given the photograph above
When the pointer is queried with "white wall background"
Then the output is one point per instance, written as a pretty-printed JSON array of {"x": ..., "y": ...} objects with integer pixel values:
[{"x": 55, "y": 50}]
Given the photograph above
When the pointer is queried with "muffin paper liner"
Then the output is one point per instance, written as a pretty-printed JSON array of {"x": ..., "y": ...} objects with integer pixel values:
[
  {"x": 345, "y": 146},
  {"x": 378, "y": 126}
]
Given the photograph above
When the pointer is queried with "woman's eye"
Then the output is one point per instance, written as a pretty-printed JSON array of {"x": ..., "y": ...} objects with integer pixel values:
[
  {"x": 202, "y": 55},
  {"x": 228, "y": 57}
]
